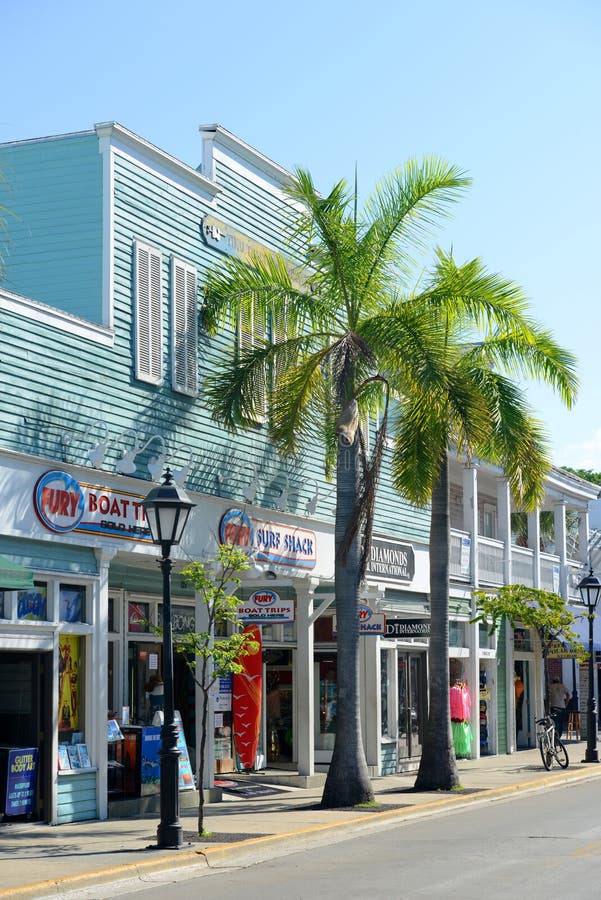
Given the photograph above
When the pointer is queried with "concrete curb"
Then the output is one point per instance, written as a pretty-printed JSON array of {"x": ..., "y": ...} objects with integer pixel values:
[{"x": 209, "y": 856}]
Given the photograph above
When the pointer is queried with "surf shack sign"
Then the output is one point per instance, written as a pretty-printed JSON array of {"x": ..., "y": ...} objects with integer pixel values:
[
  {"x": 269, "y": 541},
  {"x": 391, "y": 561}
]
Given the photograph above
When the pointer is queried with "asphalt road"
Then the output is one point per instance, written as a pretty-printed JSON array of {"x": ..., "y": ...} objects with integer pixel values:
[{"x": 543, "y": 845}]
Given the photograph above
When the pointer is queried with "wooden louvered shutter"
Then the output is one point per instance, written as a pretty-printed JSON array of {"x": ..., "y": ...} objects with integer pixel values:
[
  {"x": 251, "y": 332},
  {"x": 184, "y": 328},
  {"x": 148, "y": 314}
]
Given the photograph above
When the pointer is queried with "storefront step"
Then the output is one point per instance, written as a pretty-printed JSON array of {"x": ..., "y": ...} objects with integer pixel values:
[
  {"x": 286, "y": 779},
  {"x": 140, "y": 806}
]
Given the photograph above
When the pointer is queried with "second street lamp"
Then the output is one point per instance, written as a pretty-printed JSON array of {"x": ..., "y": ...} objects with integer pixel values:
[
  {"x": 167, "y": 508},
  {"x": 590, "y": 590}
]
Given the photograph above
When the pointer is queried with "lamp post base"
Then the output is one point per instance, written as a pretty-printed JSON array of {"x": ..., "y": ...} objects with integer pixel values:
[
  {"x": 591, "y": 756},
  {"x": 170, "y": 837}
]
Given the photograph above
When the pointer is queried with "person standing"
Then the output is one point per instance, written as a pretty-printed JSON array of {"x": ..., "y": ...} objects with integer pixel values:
[{"x": 558, "y": 700}]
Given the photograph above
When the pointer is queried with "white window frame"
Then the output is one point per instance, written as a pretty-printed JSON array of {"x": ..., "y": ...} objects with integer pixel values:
[
  {"x": 184, "y": 328},
  {"x": 148, "y": 303}
]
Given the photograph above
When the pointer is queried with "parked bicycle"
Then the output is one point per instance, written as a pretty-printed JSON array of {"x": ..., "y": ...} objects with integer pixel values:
[{"x": 550, "y": 745}]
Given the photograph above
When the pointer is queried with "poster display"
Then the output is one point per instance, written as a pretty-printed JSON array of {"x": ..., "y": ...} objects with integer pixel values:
[
  {"x": 151, "y": 763},
  {"x": 70, "y": 683},
  {"x": 21, "y": 780}
]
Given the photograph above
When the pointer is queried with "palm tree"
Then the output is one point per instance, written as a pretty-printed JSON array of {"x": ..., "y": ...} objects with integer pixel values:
[
  {"x": 323, "y": 371},
  {"x": 481, "y": 411},
  {"x": 351, "y": 334}
]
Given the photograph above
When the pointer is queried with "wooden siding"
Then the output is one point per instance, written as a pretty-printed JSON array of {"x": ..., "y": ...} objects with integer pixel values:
[
  {"x": 92, "y": 384},
  {"x": 76, "y": 798},
  {"x": 53, "y": 192}
]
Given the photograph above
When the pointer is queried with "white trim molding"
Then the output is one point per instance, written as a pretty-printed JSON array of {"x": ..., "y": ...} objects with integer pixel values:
[{"x": 56, "y": 318}]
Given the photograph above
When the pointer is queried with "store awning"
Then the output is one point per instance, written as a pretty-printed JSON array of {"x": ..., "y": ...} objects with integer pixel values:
[{"x": 14, "y": 577}]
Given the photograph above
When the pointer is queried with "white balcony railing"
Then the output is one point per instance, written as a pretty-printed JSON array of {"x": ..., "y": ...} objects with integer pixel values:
[
  {"x": 549, "y": 572},
  {"x": 491, "y": 555},
  {"x": 522, "y": 566}
]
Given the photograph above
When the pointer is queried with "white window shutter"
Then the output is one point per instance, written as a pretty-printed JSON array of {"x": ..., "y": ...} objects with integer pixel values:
[
  {"x": 184, "y": 328},
  {"x": 148, "y": 314}
]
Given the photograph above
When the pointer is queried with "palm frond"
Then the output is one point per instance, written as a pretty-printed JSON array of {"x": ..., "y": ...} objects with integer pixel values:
[{"x": 405, "y": 207}]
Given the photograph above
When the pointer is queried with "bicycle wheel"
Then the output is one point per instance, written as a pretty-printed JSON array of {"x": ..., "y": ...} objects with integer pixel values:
[
  {"x": 561, "y": 754},
  {"x": 545, "y": 751}
]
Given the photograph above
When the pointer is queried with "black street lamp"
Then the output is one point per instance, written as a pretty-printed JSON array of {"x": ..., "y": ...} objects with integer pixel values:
[
  {"x": 590, "y": 590},
  {"x": 167, "y": 508}
]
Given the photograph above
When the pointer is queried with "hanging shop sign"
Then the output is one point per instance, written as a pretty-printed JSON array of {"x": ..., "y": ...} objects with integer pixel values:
[
  {"x": 557, "y": 650},
  {"x": 21, "y": 778},
  {"x": 63, "y": 504},
  {"x": 269, "y": 541},
  {"x": 391, "y": 561},
  {"x": 408, "y": 628},
  {"x": 265, "y": 606},
  {"x": 370, "y": 622}
]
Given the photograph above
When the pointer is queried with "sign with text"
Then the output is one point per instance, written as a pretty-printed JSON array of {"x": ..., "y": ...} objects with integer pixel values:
[
  {"x": 269, "y": 541},
  {"x": 370, "y": 622},
  {"x": 21, "y": 779},
  {"x": 557, "y": 650},
  {"x": 62, "y": 504},
  {"x": 391, "y": 561},
  {"x": 408, "y": 628},
  {"x": 265, "y": 606}
]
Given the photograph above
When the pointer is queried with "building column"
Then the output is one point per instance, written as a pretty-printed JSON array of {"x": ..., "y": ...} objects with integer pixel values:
[
  {"x": 583, "y": 536},
  {"x": 534, "y": 544},
  {"x": 97, "y": 679},
  {"x": 470, "y": 516},
  {"x": 504, "y": 525},
  {"x": 304, "y": 675},
  {"x": 561, "y": 549},
  {"x": 471, "y": 524}
]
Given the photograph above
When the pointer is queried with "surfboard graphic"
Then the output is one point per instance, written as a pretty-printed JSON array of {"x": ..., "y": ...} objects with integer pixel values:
[{"x": 247, "y": 689}]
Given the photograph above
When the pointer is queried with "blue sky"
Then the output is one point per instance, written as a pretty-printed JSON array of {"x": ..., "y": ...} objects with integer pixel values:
[{"x": 508, "y": 91}]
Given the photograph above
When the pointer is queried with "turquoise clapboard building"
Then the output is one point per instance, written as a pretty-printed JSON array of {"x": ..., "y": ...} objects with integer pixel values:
[{"x": 107, "y": 243}]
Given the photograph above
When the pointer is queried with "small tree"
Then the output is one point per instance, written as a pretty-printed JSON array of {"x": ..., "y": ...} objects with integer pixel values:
[
  {"x": 544, "y": 611},
  {"x": 209, "y": 657}
]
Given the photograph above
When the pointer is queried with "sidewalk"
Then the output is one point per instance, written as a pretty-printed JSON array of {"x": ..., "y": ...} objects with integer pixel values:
[{"x": 40, "y": 860}]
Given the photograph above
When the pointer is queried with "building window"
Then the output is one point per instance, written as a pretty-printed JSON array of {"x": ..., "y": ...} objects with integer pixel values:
[
  {"x": 33, "y": 604},
  {"x": 148, "y": 314},
  {"x": 138, "y": 617},
  {"x": 457, "y": 634},
  {"x": 184, "y": 328},
  {"x": 72, "y": 603},
  {"x": 3, "y": 610}
]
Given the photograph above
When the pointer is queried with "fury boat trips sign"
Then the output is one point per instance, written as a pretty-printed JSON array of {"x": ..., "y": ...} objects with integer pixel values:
[
  {"x": 62, "y": 504},
  {"x": 269, "y": 541}
]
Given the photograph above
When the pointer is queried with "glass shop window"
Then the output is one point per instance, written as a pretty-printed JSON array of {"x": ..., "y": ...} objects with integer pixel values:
[
  {"x": 457, "y": 634},
  {"x": 3, "y": 606},
  {"x": 72, "y": 603},
  {"x": 71, "y": 685},
  {"x": 33, "y": 605},
  {"x": 138, "y": 617}
]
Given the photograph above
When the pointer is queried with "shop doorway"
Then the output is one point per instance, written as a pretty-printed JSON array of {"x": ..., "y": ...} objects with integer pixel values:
[
  {"x": 279, "y": 706},
  {"x": 411, "y": 705},
  {"x": 524, "y": 703},
  {"x": 25, "y": 718}
]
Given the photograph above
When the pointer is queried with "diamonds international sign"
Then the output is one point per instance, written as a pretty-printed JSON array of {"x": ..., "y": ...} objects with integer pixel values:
[{"x": 391, "y": 561}]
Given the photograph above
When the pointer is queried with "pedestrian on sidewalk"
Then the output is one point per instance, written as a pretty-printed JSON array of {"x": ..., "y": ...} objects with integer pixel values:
[{"x": 558, "y": 700}]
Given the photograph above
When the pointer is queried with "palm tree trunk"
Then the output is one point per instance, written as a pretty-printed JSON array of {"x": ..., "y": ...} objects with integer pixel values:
[
  {"x": 347, "y": 782},
  {"x": 438, "y": 767}
]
